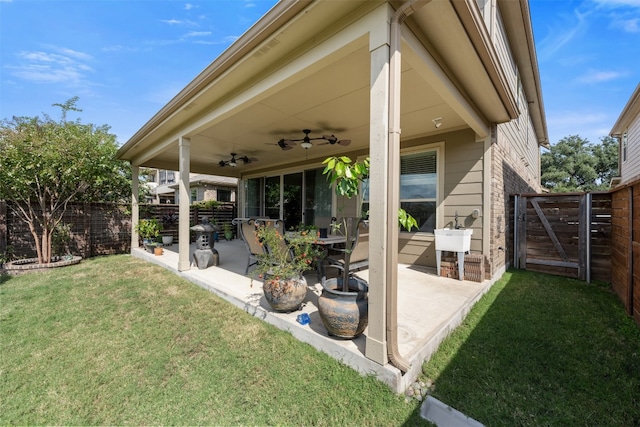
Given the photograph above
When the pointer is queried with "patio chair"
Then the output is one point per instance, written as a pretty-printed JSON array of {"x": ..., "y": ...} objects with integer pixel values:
[
  {"x": 359, "y": 253},
  {"x": 248, "y": 233},
  {"x": 278, "y": 225}
]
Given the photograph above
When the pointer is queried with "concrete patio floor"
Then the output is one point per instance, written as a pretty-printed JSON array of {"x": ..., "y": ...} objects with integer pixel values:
[{"x": 429, "y": 308}]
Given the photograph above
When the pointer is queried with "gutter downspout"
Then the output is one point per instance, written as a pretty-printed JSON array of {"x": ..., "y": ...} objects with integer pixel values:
[{"x": 393, "y": 166}]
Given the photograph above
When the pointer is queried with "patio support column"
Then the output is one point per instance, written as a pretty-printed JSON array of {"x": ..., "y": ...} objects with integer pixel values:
[
  {"x": 135, "y": 209},
  {"x": 184, "y": 240},
  {"x": 376, "y": 342}
]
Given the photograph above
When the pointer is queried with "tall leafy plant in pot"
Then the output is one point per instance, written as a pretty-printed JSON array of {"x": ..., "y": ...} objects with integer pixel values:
[
  {"x": 343, "y": 305},
  {"x": 348, "y": 177}
]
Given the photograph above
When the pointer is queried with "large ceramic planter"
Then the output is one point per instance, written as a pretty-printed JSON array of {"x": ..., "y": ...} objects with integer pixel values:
[
  {"x": 284, "y": 295},
  {"x": 344, "y": 314}
]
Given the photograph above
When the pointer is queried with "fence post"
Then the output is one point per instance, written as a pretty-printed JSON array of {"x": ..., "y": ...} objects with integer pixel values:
[
  {"x": 3, "y": 226},
  {"x": 86, "y": 215}
]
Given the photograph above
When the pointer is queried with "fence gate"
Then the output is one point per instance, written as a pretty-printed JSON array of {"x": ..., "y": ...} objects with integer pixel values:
[{"x": 552, "y": 234}]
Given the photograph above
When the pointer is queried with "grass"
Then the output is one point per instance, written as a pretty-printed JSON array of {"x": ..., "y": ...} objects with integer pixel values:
[
  {"x": 117, "y": 341},
  {"x": 542, "y": 350}
]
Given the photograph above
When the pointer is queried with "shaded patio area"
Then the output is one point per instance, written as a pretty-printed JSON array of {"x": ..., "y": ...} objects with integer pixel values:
[{"x": 429, "y": 307}]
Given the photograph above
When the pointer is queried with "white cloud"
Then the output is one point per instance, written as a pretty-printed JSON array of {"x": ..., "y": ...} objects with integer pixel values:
[
  {"x": 59, "y": 65},
  {"x": 198, "y": 34},
  {"x": 628, "y": 25},
  {"x": 596, "y": 76},
  {"x": 589, "y": 125},
  {"x": 185, "y": 22},
  {"x": 618, "y": 3},
  {"x": 119, "y": 48},
  {"x": 558, "y": 38},
  {"x": 189, "y": 6}
]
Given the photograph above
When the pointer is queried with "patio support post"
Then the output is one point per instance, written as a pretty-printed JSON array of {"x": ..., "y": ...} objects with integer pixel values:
[
  {"x": 135, "y": 209},
  {"x": 184, "y": 240},
  {"x": 376, "y": 342}
]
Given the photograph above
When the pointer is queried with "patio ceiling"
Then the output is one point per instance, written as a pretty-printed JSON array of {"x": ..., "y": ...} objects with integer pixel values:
[{"x": 299, "y": 73}]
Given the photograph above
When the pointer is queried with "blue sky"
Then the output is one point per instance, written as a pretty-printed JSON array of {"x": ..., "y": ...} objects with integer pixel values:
[{"x": 125, "y": 59}]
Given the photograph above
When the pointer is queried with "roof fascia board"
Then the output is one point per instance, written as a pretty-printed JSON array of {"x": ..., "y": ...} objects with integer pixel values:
[
  {"x": 471, "y": 19},
  {"x": 629, "y": 112}
]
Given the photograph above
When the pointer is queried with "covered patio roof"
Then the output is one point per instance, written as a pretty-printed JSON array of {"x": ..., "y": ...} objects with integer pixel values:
[{"x": 306, "y": 65}]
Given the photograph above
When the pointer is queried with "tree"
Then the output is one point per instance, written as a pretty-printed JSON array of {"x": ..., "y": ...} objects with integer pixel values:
[
  {"x": 574, "y": 164},
  {"x": 607, "y": 154},
  {"x": 45, "y": 164}
]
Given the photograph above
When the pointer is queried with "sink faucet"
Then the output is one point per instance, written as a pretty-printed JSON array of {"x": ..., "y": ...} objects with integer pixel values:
[{"x": 457, "y": 226}]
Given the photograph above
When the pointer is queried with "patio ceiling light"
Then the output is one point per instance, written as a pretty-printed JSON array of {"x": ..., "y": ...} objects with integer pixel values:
[
  {"x": 286, "y": 144},
  {"x": 233, "y": 162}
]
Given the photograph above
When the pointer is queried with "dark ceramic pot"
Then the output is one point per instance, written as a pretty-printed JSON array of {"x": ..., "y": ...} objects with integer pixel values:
[
  {"x": 344, "y": 314},
  {"x": 284, "y": 295}
]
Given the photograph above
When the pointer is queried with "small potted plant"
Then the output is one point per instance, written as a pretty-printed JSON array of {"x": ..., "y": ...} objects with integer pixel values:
[
  {"x": 228, "y": 230},
  {"x": 148, "y": 229},
  {"x": 283, "y": 264},
  {"x": 168, "y": 222}
]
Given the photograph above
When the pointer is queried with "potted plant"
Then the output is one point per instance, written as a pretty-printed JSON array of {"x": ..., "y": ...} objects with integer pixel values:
[
  {"x": 343, "y": 304},
  {"x": 168, "y": 222},
  {"x": 148, "y": 229},
  {"x": 228, "y": 230},
  {"x": 282, "y": 266}
]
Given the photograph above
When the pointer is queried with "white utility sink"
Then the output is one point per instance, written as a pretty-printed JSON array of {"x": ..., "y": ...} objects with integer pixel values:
[{"x": 453, "y": 240}]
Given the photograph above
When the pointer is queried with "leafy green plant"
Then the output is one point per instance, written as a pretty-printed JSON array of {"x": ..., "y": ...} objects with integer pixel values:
[
  {"x": 348, "y": 176},
  {"x": 207, "y": 204},
  {"x": 148, "y": 228},
  {"x": 285, "y": 259}
]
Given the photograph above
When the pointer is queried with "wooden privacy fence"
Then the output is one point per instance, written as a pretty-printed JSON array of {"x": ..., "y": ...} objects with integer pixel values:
[
  {"x": 588, "y": 236},
  {"x": 100, "y": 228},
  {"x": 625, "y": 246},
  {"x": 564, "y": 234}
]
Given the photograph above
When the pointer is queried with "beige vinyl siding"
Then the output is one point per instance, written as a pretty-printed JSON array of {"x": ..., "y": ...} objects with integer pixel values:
[
  {"x": 501, "y": 45},
  {"x": 630, "y": 169},
  {"x": 462, "y": 191}
]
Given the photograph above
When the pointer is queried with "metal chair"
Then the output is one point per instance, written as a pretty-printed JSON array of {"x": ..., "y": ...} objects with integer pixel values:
[
  {"x": 359, "y": 248},
  {"x": 248, "y": 233}
]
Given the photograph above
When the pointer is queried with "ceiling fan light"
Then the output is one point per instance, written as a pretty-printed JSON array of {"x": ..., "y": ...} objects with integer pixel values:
[
  {"x": 306, "y": 145},
  {"x": 233, "y": 163}
]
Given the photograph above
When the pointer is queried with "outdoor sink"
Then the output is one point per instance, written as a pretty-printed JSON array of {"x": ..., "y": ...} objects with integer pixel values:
[{"x": 453, "y": 240}]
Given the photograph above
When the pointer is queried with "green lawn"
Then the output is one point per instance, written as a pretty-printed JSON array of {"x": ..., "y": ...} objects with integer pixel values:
[
  {"x": 542, "y": 350},
  {"x": 117, "y": 341}
]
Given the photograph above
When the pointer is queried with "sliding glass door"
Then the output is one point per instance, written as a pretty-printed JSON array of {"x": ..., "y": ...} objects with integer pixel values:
[{"x": 297, "y": 198}]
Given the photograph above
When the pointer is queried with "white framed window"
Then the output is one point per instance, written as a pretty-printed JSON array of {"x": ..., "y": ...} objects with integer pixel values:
[
  {"x": 419, "y": 187},
  {"x": 624, "y": 146}
]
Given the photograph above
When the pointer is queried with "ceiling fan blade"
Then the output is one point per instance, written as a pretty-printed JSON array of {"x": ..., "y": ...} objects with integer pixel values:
[
  {"x": 331, "y": 139},
  {"x": 222, "y": 163},
  {"x": 344, "y": 142}
]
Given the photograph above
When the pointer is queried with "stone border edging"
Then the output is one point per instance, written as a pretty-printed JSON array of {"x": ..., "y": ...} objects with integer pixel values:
[{"x": 31, "y": 264}]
